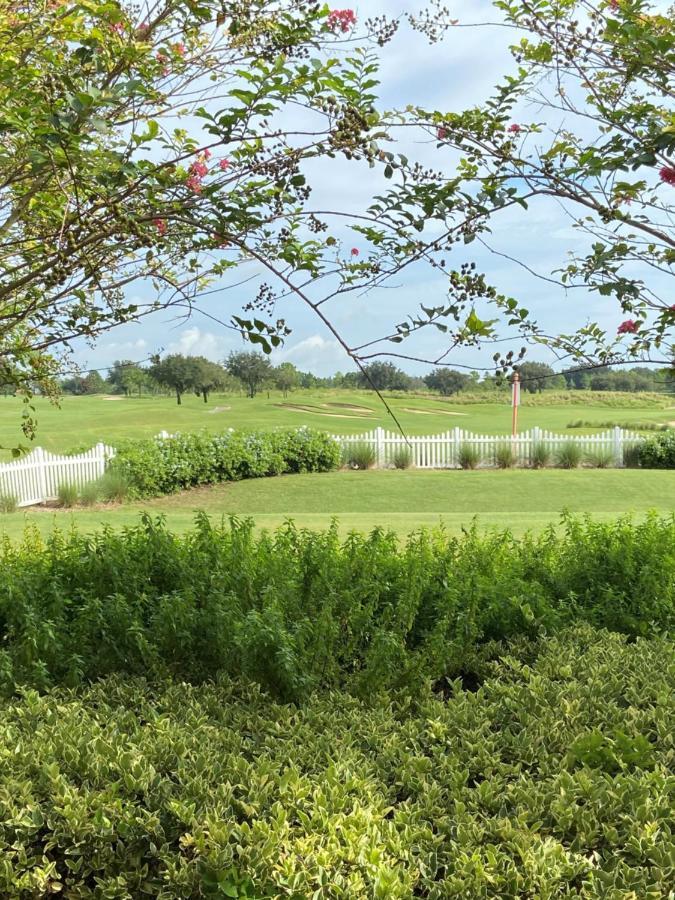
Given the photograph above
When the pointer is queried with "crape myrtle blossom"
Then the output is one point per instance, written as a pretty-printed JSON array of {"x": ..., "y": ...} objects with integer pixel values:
[
  {"x": 341, "y": 20},
  {"x": 630, "y": 326}
]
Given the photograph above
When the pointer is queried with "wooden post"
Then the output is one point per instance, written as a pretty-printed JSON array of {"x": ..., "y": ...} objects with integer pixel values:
[{"x": 515, "y": 402}]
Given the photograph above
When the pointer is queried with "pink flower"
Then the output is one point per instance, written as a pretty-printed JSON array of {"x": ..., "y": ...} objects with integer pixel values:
[
  {"x": 224, "y": 164},
  {"x": 341, "y": 20},
  {"x": 142, "y": 29},
  {"x": 614, "y": 4},
  {"x": 179, "y": 49},
  {"x": 630, "y": 326},
  {"x": 514, "y": 129},
  {"x": 195, "y": 184},
  {"x": 667, "y": 174},
  {"x": 206, "y": 153},
  {"x": 118, "y": 28},
  {"x": 354, "y": 251},
  {"x": 441, "y": 133},
  {"x": 199, "y": 169},
  {"x": 160, "y": 225}
]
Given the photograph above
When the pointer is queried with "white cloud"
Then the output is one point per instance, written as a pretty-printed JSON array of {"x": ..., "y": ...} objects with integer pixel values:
[
  {"x": 195, "y": 342},
  {"x": 315, "y": 354}
]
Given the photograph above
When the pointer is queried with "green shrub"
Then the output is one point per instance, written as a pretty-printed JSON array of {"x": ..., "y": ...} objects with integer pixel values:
[
  {"x": 299, "y": 611},
  {"x": 554, "y": 780},
  {"x": 402, "y": 458},
  {"x": 569, "y": 456},
  {"x": 600, "y": 459},
  {"x": 359, "y": 456},
  {"x": 8, "y": 503},
  {"x": 505, "y": 457},
  {"x": 468, "y": 456},
  {"x": 113, "y": 486},
  {"x": 163, "y": 466},
  {"x": 67, "y": 495},
  {"x": 540, "y": 457},
  {"x": 658, "y": 452},
  {"x": 90, "y": 494},
  {"x": 627, "y": 425}
]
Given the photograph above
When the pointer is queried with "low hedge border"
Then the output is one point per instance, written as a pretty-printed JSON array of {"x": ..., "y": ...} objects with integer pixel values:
[{"x": 156, "y": 466}]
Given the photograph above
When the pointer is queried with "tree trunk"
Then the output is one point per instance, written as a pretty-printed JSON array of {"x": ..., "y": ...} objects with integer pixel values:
[
  {"x": 178, "y": 400},
  {"x": 205, "y": 395}
]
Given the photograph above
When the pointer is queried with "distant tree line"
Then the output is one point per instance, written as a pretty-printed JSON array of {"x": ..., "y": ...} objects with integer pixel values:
[{"x": 250, "y": 373}]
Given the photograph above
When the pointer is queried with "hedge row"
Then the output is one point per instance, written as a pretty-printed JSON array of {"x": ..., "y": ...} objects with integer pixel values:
[
  {"x": 298, "y": 611},
  {"x": 658, "y": 452},
  {"x": 162, "y": 466},
  {"x": 555, "y": 779}
]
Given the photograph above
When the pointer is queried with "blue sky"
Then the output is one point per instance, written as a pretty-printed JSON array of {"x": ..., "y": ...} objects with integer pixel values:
[{"x": 451, "y": 75}]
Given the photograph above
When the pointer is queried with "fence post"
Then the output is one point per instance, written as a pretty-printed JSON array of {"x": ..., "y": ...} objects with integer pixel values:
[
  {"x": 40, "y": 470},
  {"x": 379, "y": 439},
  {"x": 618, "y": 446}
]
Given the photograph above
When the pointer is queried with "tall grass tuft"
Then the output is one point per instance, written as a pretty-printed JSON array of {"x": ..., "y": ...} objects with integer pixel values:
[
  {"x": 540, "y": 456},
  {"x": 113, "y": 486},
  {"x": 8, "y": 503},
  {"x": 402, "y": 458},
  {"x": 569, "y": 456},
  {"x": 505, "y": 457},
  {"x": 600, "y": 459},
  {"x": 90, "y": 493},
  {"x": 360, "y": 456},
  {"x": 67, "y": 495},
  {"x": 469, "y": 456}
]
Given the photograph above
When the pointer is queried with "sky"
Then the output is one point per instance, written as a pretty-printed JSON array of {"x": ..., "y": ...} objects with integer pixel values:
[{"x": 450, "y": 75}]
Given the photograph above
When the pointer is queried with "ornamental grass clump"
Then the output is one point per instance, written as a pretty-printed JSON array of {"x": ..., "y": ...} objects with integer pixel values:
[
  {"x": 469, "y": 456},
  {"x": 360, "y": 456},
  {"x": 541, "y": 455},
  {"x": 402, "y": 458},
  {"x": 600, "y": 459},
  {"x": 8, "y": 503},
  {"x": 569, "y": 456},
  {"x": 67, "y": 495},
  {"x": 505, "y": 457}
]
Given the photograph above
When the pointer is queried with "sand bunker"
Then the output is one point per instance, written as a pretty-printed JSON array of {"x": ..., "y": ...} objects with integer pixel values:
[
  {"x": 349, "y": 406},
  {"x": 432, "y": 412},
  {"x": 217, "y": 409},
  {"x": 315, "y": 411},
  {"x": 113, "y": 398}
]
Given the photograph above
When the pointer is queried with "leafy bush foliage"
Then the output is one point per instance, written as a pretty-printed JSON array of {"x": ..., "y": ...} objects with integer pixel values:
[
  {"x": 553, "y": 780},
  {"x": 402, "y": 458},
  {"x": 298, "y": 611},
  {"x": 658, "y": 452},
  {"x": 8, "y": 503},
  {"x": 468, "y": 456},
  {"x": 359, "y": 456},
  {"x": 569, "y": 456},
  {"x": 163, "y": 466}
]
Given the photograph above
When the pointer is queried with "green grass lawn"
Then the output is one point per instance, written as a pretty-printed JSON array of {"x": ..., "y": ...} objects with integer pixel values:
[
  {"x": 401, "y": 500},
  {"x": 81, "y": 422}
]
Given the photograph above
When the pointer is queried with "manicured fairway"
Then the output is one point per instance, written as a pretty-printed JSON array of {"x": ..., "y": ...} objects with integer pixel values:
[
  {"x": 81, "y": 422},
  {"x": 518, "y": 499}
]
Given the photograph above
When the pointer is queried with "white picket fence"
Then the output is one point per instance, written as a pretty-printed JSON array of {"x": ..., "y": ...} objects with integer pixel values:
[
  {"x": 38, "y": 476},
  {"x": 441, "y": 451}
]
